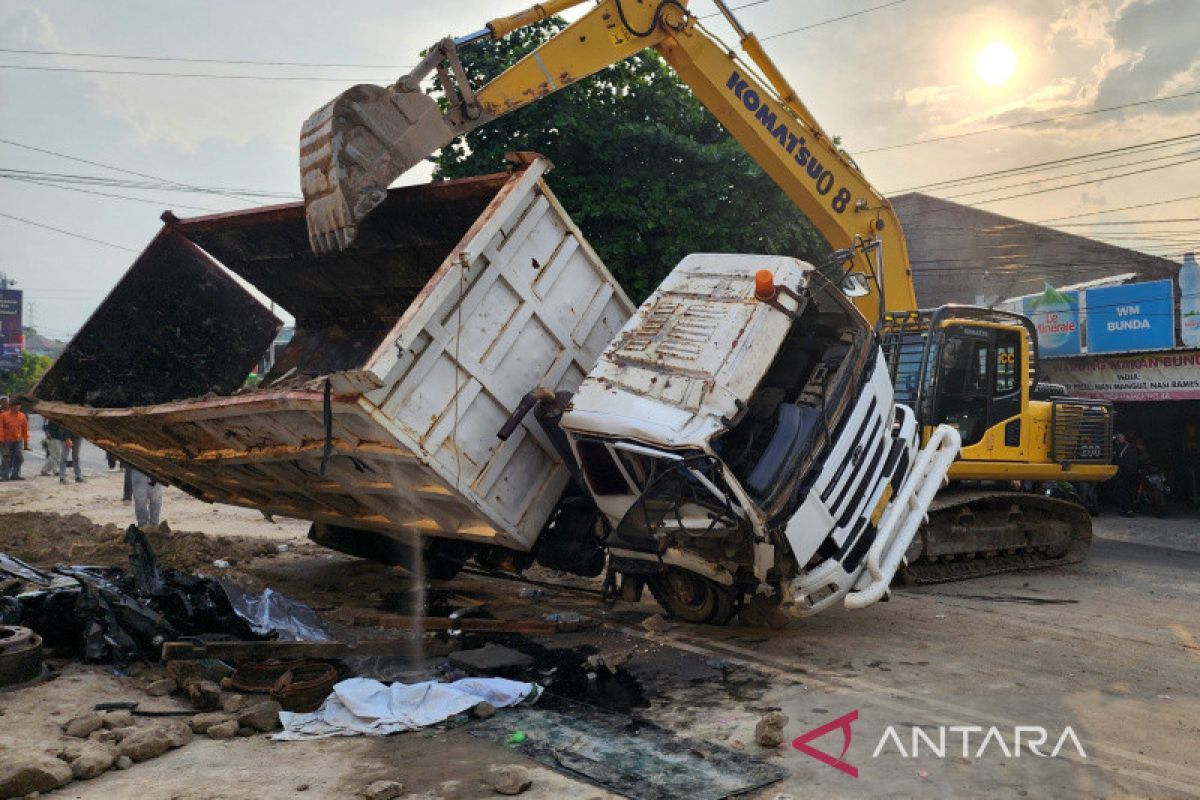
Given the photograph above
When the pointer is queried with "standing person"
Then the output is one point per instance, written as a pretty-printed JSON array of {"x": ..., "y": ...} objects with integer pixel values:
[
  {"x": 147, "y": 499},
  {"x": 5, "y": 452},
  {"x": 1126, "y": 458},
  {"x": 14, "y": 438},
  {"x": 72, "y": 443},
  {"x": 52, "y": 433}
]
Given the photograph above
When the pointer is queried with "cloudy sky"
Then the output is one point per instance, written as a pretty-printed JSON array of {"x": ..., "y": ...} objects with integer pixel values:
[{"x": 900, "y": 74}]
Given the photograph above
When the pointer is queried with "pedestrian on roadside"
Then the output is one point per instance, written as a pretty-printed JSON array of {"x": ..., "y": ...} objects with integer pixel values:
[
  {"x": 127, "y": 489},
  {"x": 147, "y": 499},
  {"x": 14, "y": 439},
  {"x": 1126, "y": 458},
  {"x": 72, "y": 443},
  {"x": 52, "y": 440}
]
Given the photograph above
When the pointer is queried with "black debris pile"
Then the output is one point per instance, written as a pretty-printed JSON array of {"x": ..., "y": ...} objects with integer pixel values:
[{"x": 105, "y": 614}]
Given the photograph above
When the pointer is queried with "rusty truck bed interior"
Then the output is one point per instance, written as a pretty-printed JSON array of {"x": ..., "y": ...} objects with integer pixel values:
[{"x": 178, "y": 326}]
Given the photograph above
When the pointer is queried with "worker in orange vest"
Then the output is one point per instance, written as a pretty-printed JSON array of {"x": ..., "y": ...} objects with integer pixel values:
[{"x": 14, "y": 439}]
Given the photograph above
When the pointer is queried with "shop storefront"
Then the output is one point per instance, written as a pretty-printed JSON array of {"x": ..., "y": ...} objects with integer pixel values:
[{"x": 1123, "y": 343}]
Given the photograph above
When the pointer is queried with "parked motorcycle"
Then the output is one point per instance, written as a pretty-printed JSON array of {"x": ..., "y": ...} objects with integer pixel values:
[{"x": 1152, "y": 489}]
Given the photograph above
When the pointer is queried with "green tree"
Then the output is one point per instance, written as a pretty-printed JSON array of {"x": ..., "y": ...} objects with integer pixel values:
[
  {"x": 643, "y": 168},
  {"x": 24, "y": 377}
]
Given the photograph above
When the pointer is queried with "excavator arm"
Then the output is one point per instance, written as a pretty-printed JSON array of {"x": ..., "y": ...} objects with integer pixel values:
[{"x": 355, "y": 146}]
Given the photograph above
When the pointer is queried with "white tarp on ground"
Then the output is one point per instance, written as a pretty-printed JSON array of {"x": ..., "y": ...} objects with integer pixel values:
[{"x": 365, "y": 707}]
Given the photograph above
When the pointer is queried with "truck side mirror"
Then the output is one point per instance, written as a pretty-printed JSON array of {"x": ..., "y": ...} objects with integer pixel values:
[{"x": 856, "y": 284}]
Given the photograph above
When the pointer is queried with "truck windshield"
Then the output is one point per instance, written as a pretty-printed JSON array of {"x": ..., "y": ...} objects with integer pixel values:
[
  {"x": 798, "y": 399},
  {"x": 683, "y": 497}
]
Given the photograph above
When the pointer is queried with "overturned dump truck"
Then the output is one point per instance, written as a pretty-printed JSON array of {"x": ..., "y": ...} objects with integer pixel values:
[{"x": 734, "y": 438}]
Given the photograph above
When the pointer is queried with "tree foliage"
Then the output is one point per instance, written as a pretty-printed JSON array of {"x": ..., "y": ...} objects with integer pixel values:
[
  {"x": 23, "y": 378},
  {"x": 643, "y": 168}
]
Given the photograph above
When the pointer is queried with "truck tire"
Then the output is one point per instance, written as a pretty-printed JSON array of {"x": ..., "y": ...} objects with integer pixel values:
[
  {"x": 443, "y": 558},
  {"x": 20, "y": 655},
  {"x": 692, "y": 597}
]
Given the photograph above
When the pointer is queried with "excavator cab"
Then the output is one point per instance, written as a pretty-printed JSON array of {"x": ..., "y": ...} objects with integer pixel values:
[
  {"x": 976, "y": 369},
  {"x": 977, "y": 380}
]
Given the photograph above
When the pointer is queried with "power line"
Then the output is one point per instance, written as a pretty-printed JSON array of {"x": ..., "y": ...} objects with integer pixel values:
[
  {"x": 111, "y": 167},
  {"x": 180, "y": 59},
  {"x": 123, "y": 183},
  {"x": 52, "y": 185},
  {"x": 834, "y": 19},
  {"x": 66, "y": 232},
  {"x": 957, "y": 207},
  {"x": 1041, "y": 121},
  {"x": 1123, "y": 208},
  {"x": 1087, "y": 182},
  {"x": 733, "y": 8},
  {"x": 210, "y": 75},
  {"x": 1096, "y": 155},
  {"x": 1131, "y": 222},
  {"x": 1091, "y": 171}
]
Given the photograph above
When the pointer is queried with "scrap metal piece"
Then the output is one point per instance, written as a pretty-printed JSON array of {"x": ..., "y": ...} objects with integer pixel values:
[
  {"x": 305, "y": 686},
  {"x": 633, "y": 759},
  {"x": 16, "y": 568}
]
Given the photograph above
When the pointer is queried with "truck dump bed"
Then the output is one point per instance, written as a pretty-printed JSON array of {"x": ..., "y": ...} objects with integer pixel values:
[{"x": 411, "y": 350}]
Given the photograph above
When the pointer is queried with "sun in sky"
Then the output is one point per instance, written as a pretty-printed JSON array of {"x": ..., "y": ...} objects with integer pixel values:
[{"x": 995, "y": 63}]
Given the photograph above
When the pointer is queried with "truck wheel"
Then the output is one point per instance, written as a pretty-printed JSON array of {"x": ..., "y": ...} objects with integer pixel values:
[
  {"x": 692, "y": 597},
  {"x": 20, "y": 655}
]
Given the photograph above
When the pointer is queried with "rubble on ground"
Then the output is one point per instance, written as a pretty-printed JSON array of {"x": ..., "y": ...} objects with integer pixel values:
[
  {"x": 382, "y": 790},
  {"x": 508, "y": 779},
  {"x": 769, "y": 730},
  {"x": 22, "y": 774}
]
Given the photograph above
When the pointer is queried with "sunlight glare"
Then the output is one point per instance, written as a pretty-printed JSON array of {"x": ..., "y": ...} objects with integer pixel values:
[{"x": 995, "y": 63}]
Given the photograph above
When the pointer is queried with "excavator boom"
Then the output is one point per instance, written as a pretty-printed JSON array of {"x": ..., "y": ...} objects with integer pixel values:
[{"x": 355, "y": 146}]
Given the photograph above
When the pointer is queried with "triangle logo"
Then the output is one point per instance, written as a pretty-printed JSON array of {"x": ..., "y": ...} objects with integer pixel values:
[{"x": 843, "y": 723}]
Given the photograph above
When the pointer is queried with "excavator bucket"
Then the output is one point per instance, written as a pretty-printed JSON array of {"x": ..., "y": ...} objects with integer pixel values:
[{"x": 352, "y": 148}]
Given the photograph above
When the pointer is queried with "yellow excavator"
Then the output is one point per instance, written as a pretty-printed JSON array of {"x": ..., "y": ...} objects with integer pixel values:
[{"x": 975, "y": 369}]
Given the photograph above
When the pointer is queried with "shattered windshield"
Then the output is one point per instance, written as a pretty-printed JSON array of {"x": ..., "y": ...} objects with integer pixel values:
[{"x": 684, "y": 496}]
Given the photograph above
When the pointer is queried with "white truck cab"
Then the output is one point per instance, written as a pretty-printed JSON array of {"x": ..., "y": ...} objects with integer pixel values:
[{"x": 739, "y": 436}]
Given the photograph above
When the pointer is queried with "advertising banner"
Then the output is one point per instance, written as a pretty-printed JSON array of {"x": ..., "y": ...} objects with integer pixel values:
[
  {"x": 12, "y": 338},
  {"x": 1055, "y": 314},
  {"x": 1136, "y": 316},
  {"x": 1149, "y": 376}
]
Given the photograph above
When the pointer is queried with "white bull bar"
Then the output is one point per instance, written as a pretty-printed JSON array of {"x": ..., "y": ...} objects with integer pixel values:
[{"x": 905, "y": 514}]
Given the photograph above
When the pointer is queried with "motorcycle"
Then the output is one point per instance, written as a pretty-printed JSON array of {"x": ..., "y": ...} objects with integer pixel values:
[{"x": 1152, "y": 490}]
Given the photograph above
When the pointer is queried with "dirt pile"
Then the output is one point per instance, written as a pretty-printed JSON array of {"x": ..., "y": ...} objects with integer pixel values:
[{"x": 45, "y": 539}]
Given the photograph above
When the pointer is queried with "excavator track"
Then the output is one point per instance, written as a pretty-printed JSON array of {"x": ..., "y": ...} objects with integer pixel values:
[{"x": 972, "y": 533}]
